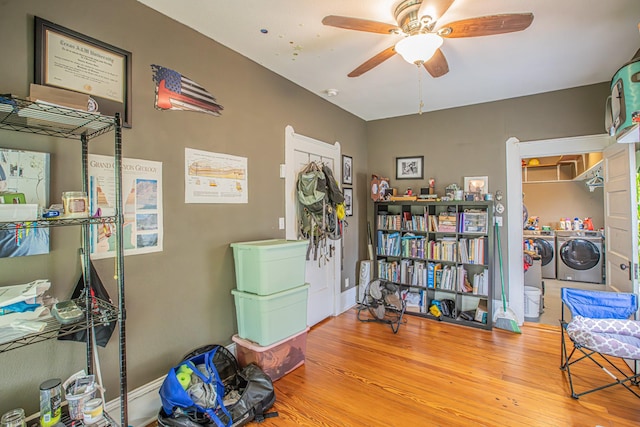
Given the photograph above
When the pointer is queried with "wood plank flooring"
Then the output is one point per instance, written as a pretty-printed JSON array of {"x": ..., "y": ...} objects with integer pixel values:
[{"x": 438, "y": 374}]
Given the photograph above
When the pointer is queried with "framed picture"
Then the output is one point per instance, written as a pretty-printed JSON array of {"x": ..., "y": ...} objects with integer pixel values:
[
  {"x": 69, "y": 60},
  {"x": 410, "y": 167},
  {"x": 476, "y": 184},
  {"x": 348, "y": 201},
  {"x": 347, "y": 170}
]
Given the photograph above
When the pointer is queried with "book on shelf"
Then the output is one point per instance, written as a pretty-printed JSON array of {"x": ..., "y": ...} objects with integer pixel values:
[
  {"x": 433, "y": 223},
  {"x": 472, "y": 251},
  {"x": 388, "y": 243},
  {"x": 387, "y": 221},
  {"x": 413, "y": 246},
  {"x": 481, "y": 283}
]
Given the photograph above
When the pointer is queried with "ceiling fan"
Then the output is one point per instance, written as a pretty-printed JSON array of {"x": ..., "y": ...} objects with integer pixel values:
[{"x": 417, "y": 20}]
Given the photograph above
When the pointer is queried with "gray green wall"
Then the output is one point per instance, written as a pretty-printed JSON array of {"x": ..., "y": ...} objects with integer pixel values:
[
  {"x": 179, "y": 298},
  {"x": 470, "y": 141}
]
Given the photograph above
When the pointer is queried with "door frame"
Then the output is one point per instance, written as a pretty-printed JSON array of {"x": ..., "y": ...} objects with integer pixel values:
[
  {"x": 515, "y": 152},
  {"x": 293, "y": 141}
]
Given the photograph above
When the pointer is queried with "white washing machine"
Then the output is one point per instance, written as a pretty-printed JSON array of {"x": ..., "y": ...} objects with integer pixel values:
[
  {"x": 580, "y": 256},
  {"x": 545, "y": 244}
]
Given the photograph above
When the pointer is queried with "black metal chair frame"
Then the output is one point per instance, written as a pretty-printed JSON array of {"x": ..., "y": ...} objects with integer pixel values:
[{"x": 604, "y": 361}]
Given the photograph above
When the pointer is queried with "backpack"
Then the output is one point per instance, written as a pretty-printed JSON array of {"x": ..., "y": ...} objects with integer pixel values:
[
  {"x": 227, "y": 397},
  {"x": 321, "y": 209}
]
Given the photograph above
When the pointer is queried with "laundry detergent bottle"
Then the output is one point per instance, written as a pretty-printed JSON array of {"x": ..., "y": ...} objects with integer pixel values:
[{"x": 587, "y": 224}]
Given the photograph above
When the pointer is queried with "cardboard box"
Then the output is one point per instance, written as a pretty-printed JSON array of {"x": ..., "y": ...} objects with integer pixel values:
[
  {"x": 61, "y": 97},
  {"x": 481, "y": 311}
]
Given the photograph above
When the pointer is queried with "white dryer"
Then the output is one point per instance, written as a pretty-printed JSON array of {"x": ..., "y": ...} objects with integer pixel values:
[
  {"x": 545, "y": 245},
  {"x": 580, "y": 256}
]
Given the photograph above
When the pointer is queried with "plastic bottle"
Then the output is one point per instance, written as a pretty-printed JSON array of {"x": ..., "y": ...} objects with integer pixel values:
[
  {"x": 567, "y": 223},
  {"x": 576, "y": 223},
  {"x": 50, "y": 399},
  {"x": 562, "y": 225}
]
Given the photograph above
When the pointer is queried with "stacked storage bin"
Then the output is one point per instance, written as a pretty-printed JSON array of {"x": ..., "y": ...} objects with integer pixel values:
[{"x": 271, "y": 304}]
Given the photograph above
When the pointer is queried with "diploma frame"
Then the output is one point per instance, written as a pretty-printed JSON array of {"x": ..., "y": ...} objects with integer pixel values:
[{"x": 122, "y": 77}]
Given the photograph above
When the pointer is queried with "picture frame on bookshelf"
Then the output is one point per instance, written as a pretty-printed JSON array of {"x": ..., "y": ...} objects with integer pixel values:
[
  {"x": 410, "y": 167},
  {"x": 348, "y": 201},
  {"x": 347, "y": 170},
  {"x": 476, "y": 185}
]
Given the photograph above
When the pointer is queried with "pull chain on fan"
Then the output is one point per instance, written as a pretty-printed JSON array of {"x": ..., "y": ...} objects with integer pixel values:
[{"x": 421, "y": 105}]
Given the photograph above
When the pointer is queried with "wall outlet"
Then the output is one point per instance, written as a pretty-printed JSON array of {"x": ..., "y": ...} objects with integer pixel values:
[
  {"x": 498, "y": 221},
  {"x": 346, "y": 283},
  {"x": 283, "y": 171},
  {"x": 281, "y": 223}
]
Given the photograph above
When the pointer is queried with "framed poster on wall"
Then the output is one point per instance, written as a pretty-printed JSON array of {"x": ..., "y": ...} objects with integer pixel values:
[
  {"x": 24, "y": 179},
  {"x": 69, "y": 60}
]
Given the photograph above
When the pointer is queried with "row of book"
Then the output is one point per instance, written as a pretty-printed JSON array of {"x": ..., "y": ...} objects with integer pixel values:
[
  {"x": 388, "y": 244},
  {"x": 470, "y": 221},
  {"x": 464, "y": 250},
  {"x": 472, "y": 251},
  {"x": 389, "y": 222},
  {"x": 434, "y": 276}
]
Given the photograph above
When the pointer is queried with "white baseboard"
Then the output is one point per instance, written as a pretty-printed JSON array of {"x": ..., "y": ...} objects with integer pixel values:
[
  {"x": 144, "y": 402},
  {"x": 348, "y": 299}
]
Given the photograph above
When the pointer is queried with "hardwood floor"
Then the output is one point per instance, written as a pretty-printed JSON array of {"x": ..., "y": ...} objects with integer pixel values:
[{"x": 437, "y": 374}]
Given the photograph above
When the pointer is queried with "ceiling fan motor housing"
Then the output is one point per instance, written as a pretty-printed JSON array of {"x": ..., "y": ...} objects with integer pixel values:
[{"x": 407, "y": 17}]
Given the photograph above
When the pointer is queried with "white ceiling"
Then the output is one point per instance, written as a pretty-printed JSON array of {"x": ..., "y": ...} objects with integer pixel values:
[{"x": 570, "y": 43}]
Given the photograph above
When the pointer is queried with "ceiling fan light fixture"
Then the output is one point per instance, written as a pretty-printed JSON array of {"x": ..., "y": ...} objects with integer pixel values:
[{"x": 419, "y": 48}]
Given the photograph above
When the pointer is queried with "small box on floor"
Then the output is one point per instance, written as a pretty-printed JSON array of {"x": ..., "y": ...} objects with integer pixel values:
[{"x": 276, "y": 360}]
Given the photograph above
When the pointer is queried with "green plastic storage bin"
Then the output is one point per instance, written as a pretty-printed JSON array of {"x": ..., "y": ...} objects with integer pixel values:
[
  {"x": 267, "y": 319},
  {"x": 266, "y": 267}
]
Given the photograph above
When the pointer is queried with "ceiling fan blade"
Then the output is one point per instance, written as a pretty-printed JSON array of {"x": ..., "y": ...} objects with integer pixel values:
[
  {"x": 487, "y": 25},
  {"x": 437, "y": 66},
  {"x": 373, "y": 62},
  {"x": 359, "y": 24},
  {"x": 434, "y": 8}
]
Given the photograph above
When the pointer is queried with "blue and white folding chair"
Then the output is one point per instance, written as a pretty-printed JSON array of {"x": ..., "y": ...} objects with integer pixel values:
[{"x": 601, "y": 331}]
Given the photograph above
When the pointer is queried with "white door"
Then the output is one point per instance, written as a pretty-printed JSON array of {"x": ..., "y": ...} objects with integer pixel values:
[
  {"x": 621, "y": 222},
  {"x": 322, "y": 274}
]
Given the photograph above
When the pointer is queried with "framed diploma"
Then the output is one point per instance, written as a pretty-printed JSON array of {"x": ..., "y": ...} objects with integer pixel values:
[{"x": 70, "y": 60}]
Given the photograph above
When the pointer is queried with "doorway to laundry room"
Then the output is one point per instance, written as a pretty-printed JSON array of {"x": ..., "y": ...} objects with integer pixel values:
[
  {"x": 620, "y": 210},
  {"x": 563, "y": 230}
]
